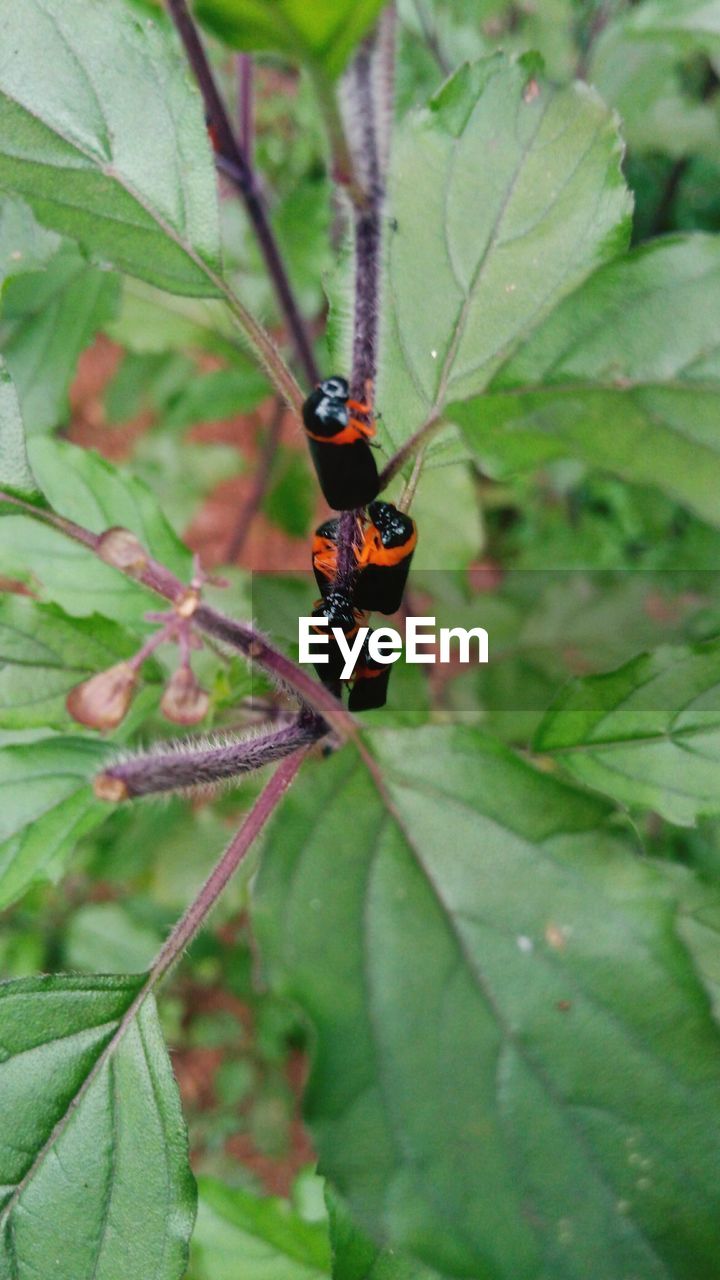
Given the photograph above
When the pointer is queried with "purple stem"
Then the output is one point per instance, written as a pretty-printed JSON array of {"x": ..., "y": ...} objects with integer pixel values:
[
  {"x": 262, "y": 477},
  {"x": 233, "y": 162},
  {"x": 362, "y": 103},
  {"x": 198, "y": 911},
  {"x": 238, "y": 635},
  {"x": 246, "y": 116},
  {"x": 203, "y": 766}
]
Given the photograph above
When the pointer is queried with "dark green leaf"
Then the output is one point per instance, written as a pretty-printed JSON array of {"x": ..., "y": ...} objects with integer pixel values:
[
  {"x": 91, "y": 1135},
  {"x": 508, "y": 193},
  {"x": 46, "y": 805},
  {"x": 516, "y": 1073},
  {"x": 291, "y": 500},
  {"x": 624, "y": 375},
  {"x": 104, "y": 136},
  {"x": 355, "y": 1257}
]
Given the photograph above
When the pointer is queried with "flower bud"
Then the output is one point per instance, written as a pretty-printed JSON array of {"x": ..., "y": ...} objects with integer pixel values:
[
  {"x": 184, "y": 701},
  {"x": 120, "y": 548},
  {"x": 102, "y": 702}
]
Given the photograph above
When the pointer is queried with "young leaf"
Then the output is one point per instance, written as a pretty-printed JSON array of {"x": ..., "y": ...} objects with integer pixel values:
[
  {"x": 16, "y": 478},
  {"x": 238, "y": 1233},
  {"x": 86, "y": 488},
  {"x": 505, "y": 193},
  {"x": 104, "y": 137},
  {"x": 324, "y": 32},
  {"x": 44, "y": 653},
  {"x": 48, "y": 318},
  {"x": 47, "y": 804},
  {"x": 91, "y": 1134},
  {"x": 647, "y": 734},
  {"x": 516, "y": 1072},
  {"x": 624, "y": 375}
]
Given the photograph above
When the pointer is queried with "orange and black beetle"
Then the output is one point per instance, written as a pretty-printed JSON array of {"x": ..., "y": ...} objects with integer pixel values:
[{"x": 338, "y": 430}]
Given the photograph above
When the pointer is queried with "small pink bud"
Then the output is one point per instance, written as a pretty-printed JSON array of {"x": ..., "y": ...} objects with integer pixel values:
[
  {"x": 184, "y": 701},
  {"x": 121, "y": 549},
  {"x": 102, "y": 702}
]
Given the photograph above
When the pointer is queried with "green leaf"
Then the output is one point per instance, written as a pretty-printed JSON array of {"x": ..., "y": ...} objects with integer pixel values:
[
  {"x": 292, "y": 497},
  {"x": 88, "y": 489},
  {"x": 624, "y": 375},
  {"x": 238, "y": 1234},
  {"x": 642, "y": 80},
  {"x": 647, "y": 734},
  {"x": 24, "y": 246},
  {"x": 324, "y": 32},
  {"x": 444, "y": 541},
  {"x": 355, "y": 1257},
  {"x": 47, "y": 805},
  {"x": 92, "y": 1136},
  {"x": 48, "y": 318},
  {"x": 44, "y": 653},
  {"x": 16, "y": 478},
  {"x": 693, "y": 22},
  {"x": 515, "y": 1073},
  {"x": 508, "y": 192},
  {"x": 104, "y": 936},
  {"x": 104, "y": 137},
  {"x": 218, "y": 395}
]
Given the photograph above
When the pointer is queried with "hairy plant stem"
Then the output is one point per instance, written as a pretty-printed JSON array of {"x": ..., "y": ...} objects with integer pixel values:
[
  {"x": 362, "y": 111},
  {"x": 193, "y": 763},
  {"x": 237, "y": 635},
  {"x": 237, "y": 166},
  {"x": 410, "y": 448},
  {"x": 198, "y": 911}
]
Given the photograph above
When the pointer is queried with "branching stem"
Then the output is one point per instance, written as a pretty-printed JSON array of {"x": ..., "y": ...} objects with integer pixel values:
[
  {"x": 237, "y": 166},
  {"x": 237, "y": 635},
  {"x": 198, "y": 911}
]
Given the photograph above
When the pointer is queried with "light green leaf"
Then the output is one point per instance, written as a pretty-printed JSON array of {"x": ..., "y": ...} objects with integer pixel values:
[
  {"x": 516, "y": 1073},
  {"x": 104, "y": 937},
  {"x": 693, "y": 21},
  {"x": 642, "y": 80},
  {"x": 447, "y": 539},
  {"x": 48, "y": 318},
  {"x": 44, "y": 653},
  {"x": 16, "y": 478},
  {"x": 103, "y": 135},
  {"x": 239, "y": 1235},
  {"x": 505, "y": 193},
  {"x": 91, "y": 1134},
  {"x": 647, "y": 734},
  {"x": 47, "y": 805},
  {"x": 324, "y": 32},
  {"x": 88, "y": 489},
  {"x": 624, "y": 375},
  {"x": 24, "y": 246}
]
